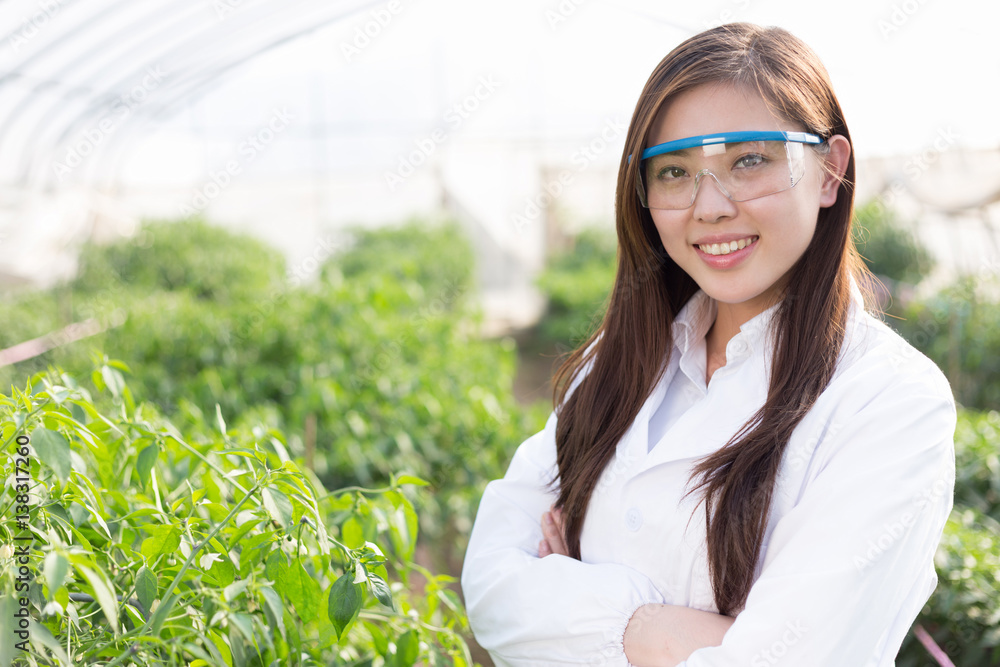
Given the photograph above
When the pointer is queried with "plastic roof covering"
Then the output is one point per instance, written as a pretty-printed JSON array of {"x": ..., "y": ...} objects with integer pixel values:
[{"x": 68, "y": 65}]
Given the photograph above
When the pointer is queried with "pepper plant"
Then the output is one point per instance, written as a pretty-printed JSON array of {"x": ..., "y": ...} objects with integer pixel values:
[{"x": 131, "y": 543}]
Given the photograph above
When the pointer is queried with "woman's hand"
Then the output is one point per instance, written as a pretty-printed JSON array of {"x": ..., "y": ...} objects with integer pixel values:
[
  {"x": 553, "y": 541},
  {"x": 657, "y": 635}
]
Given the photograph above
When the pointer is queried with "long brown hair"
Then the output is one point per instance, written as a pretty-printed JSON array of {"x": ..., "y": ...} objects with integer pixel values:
[{"x": 626, "y": 354}]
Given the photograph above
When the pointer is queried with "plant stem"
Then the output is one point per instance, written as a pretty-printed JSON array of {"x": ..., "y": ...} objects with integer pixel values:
[{"x": 194, "y": 552}]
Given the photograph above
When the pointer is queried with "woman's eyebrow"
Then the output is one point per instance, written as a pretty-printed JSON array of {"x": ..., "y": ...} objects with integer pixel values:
[{"x": 683, "y": 152}]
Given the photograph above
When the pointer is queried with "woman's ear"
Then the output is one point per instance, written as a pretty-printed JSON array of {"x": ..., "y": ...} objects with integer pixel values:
[{"x": 835, "y": 165}]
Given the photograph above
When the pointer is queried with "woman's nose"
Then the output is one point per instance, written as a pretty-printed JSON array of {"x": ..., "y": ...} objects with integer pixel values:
[{"x": 711, "y": 202}]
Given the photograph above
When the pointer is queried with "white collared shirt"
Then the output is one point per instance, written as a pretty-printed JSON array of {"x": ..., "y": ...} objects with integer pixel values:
[{"x": 864, "y": 490}]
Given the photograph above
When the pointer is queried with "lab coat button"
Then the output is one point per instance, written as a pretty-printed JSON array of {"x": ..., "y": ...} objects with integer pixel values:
[{"x": 633, "y": 519}]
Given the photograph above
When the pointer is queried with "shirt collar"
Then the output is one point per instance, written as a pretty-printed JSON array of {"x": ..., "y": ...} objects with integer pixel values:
[{"x": 696, "y": 317}]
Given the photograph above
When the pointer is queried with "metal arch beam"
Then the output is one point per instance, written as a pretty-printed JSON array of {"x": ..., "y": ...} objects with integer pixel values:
[
  {"x": 205, "y": 37},
  {"x": 12, "y": 33},
  {"x": 197, "y": 88},
  {"x": 113, "y": 91},
  {"x": 204, "y": 87},
  {"x": 62, "y": 74}
]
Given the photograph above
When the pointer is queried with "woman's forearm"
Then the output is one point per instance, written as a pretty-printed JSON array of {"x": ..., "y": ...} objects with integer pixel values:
[{"x": 664, "y": 635}]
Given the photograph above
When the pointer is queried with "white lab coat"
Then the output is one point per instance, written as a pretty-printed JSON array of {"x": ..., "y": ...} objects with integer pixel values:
[{"x": 862, "y": 496}]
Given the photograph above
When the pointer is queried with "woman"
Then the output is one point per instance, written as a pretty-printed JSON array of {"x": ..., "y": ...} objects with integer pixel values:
[{"x": 743, "y": 466}]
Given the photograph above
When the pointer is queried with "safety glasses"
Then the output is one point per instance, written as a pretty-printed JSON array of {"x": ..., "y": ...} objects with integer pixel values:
[{"x": 745, "y": 165}]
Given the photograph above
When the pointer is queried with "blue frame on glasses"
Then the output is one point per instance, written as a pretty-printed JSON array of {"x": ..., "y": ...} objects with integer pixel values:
[{"x": 728, "y": 137}]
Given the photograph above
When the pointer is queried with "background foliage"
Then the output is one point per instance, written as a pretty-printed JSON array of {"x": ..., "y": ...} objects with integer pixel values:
[
  {"x": 368, "y": 359},
  {"x": 360, "y": 370}
]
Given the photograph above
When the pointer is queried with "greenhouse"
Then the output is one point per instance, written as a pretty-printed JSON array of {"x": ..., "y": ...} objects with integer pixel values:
[{"x": 293, "y": 292}]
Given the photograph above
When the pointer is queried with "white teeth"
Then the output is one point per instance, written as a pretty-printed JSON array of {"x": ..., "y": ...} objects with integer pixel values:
[{"x": 726, "y": 248}]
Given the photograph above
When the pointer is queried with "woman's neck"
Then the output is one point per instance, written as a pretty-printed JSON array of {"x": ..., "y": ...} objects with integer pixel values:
[{"x": 728, "y": 320}]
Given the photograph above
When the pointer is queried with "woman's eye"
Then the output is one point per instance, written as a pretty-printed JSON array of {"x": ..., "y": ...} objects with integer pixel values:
[
  {"x": 668, "y": 173},
  {"x": 749, "y": 161}
]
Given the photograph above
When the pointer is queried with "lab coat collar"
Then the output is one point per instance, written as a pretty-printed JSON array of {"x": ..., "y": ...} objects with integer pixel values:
[
  {"x": 697, "y": 433},
  {"x": 697, "y": 315}
]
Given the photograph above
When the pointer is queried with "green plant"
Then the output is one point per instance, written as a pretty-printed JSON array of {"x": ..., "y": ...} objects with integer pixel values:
[
  {"x": 889, "y": 250},
  {"x": 963, "y": 615},
  {"x": 149, "y": 546},
  {"x": 374, "y": 367},
  {"x": 959, "y": 328},
  {"x": 206, "y": 261},
  {"x": 577, "y": 282}
]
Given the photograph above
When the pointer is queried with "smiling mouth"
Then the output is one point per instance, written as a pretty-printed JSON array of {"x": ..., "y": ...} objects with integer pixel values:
[{"x": 726, "y": 248}]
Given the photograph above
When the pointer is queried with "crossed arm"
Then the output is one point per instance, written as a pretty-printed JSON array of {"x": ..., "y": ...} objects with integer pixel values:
[{"x": 657, "y": 635}]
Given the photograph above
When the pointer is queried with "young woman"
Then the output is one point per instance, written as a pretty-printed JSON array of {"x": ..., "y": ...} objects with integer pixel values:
[{"x": 744, "y": 467}]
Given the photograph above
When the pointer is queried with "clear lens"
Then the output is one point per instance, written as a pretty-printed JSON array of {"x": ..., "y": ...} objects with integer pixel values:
[{"x": 743, "y": 171}]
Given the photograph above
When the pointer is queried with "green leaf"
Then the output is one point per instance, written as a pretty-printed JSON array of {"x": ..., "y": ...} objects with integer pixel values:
[
  {"x": 219, "y": 648},
  {"x": 146, "y": 460},
  {"x": 273, "y": 602},
  {"x": 146, "y": 587},
  {"x": 102, "y": 593},
  {"x": 410, "y": 479},
  {"x": 161, "y": 614},
  {"x": 402, "y": 524},
  {"x": 273, "y": 565},
  {"x": 40, "y": 635},
  {"x": 344, "y": 604},
  {"x": 380, "y": 589},
  {"x": 223, "y": 571},
  {"x": 278, "y": 506},
  {"x": 407, "y": 649},
  {"x": 379, "y": 640},
  {"x": 163, "y": 539},
  {"x": 53, "y": 450},
  {"x": 8, "y": 607},
  {"x": 352, "y": 534},
  {"x": 219, "y": 421},
  {"x": 234, "y": 590},
  {"x": 302, "y": 590},
  {"x": 114, "y": 380},
  {"x": 56, "y": 569},
  {"x": 243, "y": 530}
]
